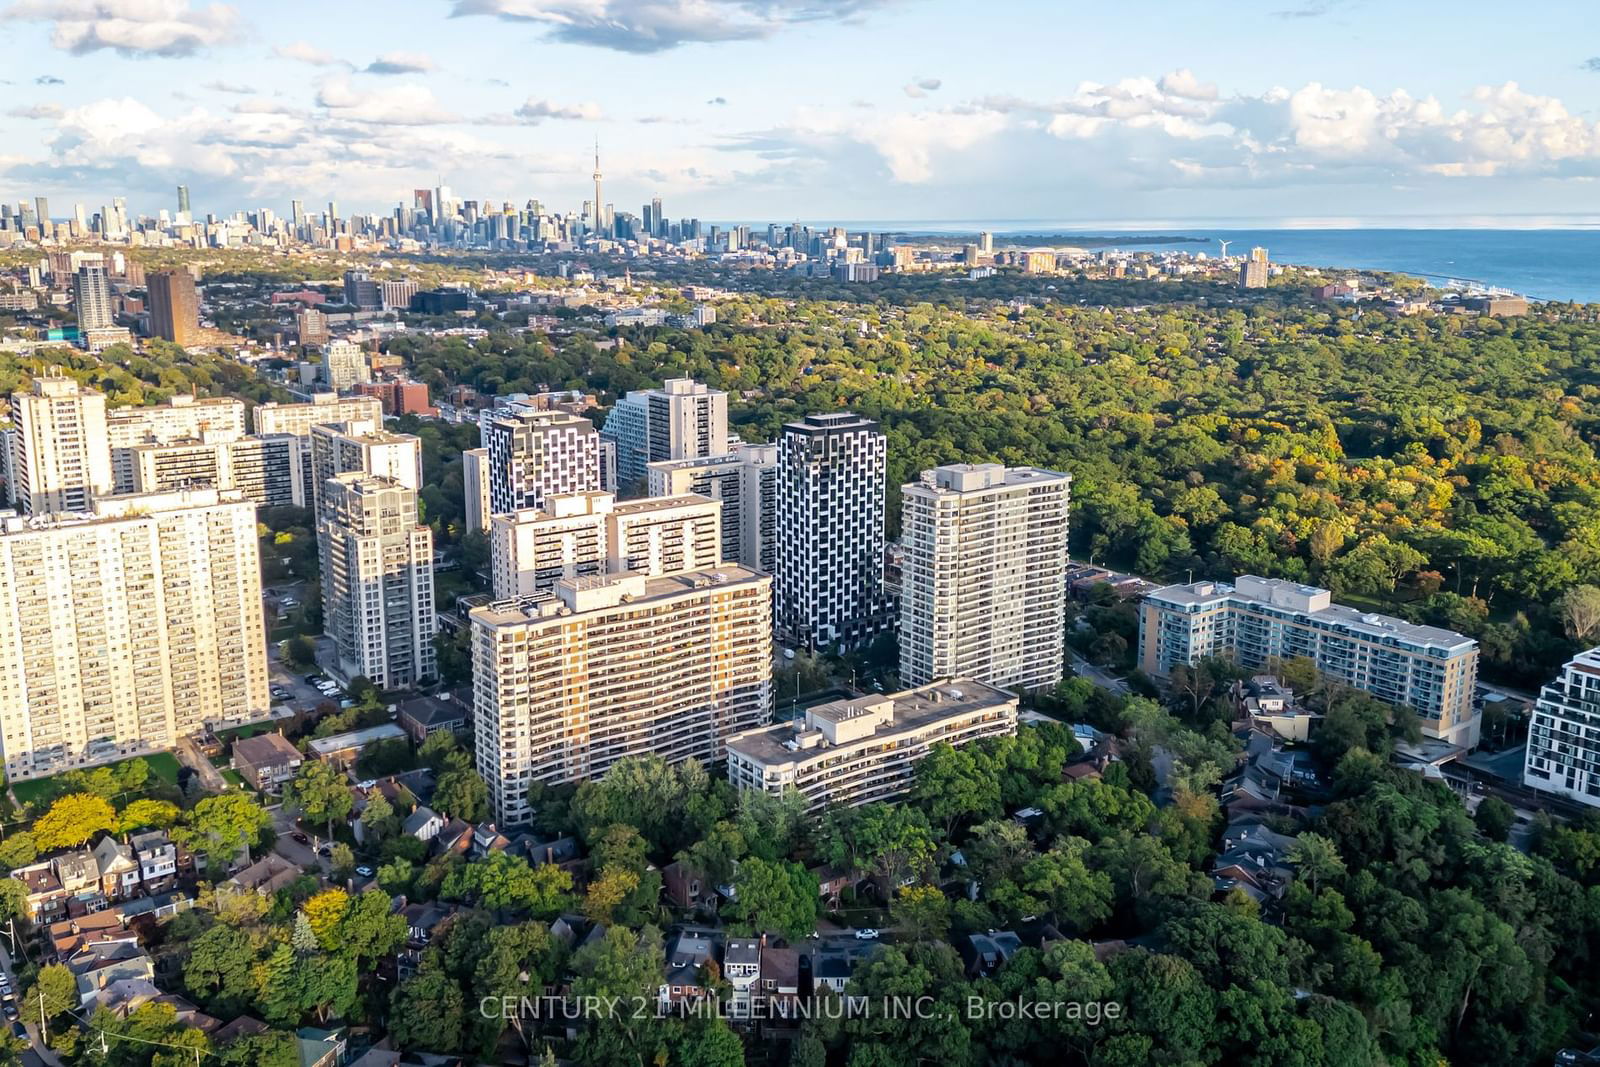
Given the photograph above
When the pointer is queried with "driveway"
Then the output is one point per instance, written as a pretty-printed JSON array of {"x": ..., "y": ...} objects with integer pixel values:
[
  {"x": 190, "y": 756},
  {"x": 1104, "y": 679}
]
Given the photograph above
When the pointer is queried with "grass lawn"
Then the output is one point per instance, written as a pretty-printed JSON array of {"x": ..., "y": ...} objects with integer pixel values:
[
  {"x": 163, "y": 766},
  {"x": 240, "y": 732},
  {"x": 234, "y": 778}
]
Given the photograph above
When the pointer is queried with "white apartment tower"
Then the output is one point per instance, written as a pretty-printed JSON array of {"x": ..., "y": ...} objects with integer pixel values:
[
  {"x": 475, "y": 486},
  {"x": 60, "y": 459},
  {"x": 682, "y": 420},
  {"x": 1563, "y": 755},
  {"x": 984, "y": 586},
  {"x": 613, "y": 666},
  {"x": 322, "y": 408},
  {"x": 344, "y": 365},
  {"x": 339, "y": 448},
  {"x": 745, "y": 483},
  {"x": 183, "y": 418},
  {"x": 832, "y": 476},
  {"x": 127, "y": 628},
  {"x": 377, "y": 580},
  {"x": 586, "y": 534},
  {"x": 534, "y": 455}
]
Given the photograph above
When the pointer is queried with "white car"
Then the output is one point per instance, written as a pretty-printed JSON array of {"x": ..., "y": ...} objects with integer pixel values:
[{"x": 868, "y": 934}]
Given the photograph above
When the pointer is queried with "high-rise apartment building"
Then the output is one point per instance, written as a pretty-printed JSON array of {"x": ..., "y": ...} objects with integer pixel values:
[
  {"x": 585, "y": 534},
  {"x": 91, "y": 296},
  {"x": 866, "y": 749},
  {"x": 984, "y": 575},
  {"x": 183, "y": 418},
  {"x": 344, "y": 365},
  {"x": 475, "y": 487},
  {"x": 832, "y": 477},
  {"x": 1563, "y": 756},
  {"x": 125, "y": 629},
  {"x": 611, "y": 666},
  {"x": 323, "y": 408},
  {"x": 269, "y": 470},
  {"x": 682, "y": 420},
  {"x": 534, "y": 455},
  {"x": 1253, "y": 272},
  {"x": 745, "y": 483},
  {"x": 174, "y": 306},
  {"x": 377, "y": 580},
  {"x": 396, "y": 295},
  {"x": 60, "y": 460},
  {"x": 311, "y": 326},
  {"x": 1255, "y": 620},
  {"x": 342, "y": 447}
]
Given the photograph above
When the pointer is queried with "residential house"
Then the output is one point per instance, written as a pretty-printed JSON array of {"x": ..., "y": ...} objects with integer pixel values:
[
  {"x": 741, "y": 967},
  {"x": 780, "y": 981},
  {"x": 265, "y": 876},
  {"x": 986, "y": 953},
  {"x": 684, "y": 887},
  {"x": 266, "y": 761},
  {"x": 68, "y": 936},
  {"x": 421, "y": 716},
  {"x": 243, "y": 1026},
  {"x": 685, "y": 976},
  {"x": 158, "y": 860},
  {"x": 423, "y": 824},
  {"x": 563, "y": 852},
  {"x": 47, "y": 900},
  {"x": 322, "y": 1048},
  {"x": 119, "y": 870},
  {"x": 454, "y": 836},
  {"x": 422, "y": 918},
  {"x": 486, "y": 839},
  {"x": 1253, "y": 860},
  {"x": 831, "y": 882},
  {"x": 98, "y": 966},
  {"x": 831, "y": 970}
]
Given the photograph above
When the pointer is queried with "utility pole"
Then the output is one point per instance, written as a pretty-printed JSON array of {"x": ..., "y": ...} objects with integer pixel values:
[{"x": 44, "y": 1027}]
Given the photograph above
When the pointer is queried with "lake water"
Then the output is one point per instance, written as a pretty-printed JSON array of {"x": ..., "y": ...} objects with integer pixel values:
[{"x": 1555, "y": 263}]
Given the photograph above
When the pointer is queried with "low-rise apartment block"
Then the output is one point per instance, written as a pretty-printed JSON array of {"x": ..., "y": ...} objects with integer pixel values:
[
  {"x": 1254, "y": 620},
  {"x": 867, "y": 748}
]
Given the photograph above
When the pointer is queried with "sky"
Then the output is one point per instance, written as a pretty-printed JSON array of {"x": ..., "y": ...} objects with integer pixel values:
[{"x": 1161, "y": 113}]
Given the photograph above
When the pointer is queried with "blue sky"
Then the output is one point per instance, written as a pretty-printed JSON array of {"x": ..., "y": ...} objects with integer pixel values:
[{"x": 1158, "y": 112}]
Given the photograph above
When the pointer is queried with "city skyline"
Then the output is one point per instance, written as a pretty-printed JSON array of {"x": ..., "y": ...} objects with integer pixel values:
[{"x": 1279, "y": 113}]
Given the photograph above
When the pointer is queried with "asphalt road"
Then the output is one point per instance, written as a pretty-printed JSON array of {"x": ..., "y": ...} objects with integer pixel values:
[
  {"x": 37, "y": 1055},
  {"x": 1105, "y": 680}
]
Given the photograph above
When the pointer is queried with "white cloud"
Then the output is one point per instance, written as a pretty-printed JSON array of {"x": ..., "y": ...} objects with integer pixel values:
[
  {"x": 535, "y": 110},
  {"x": 389, "y": 105},
  {"x": 658, "y": 25},
  {"x": 132, "y": 27},
  {"x": 36, "y": 111},
  {"x": 306, "y": 52},
  {"x": 400, "y": 63},
  {"x": 921, "y": 87}
]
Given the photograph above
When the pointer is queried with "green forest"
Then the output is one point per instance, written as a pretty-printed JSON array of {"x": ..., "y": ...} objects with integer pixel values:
[{"x": 1441, "y": 467}]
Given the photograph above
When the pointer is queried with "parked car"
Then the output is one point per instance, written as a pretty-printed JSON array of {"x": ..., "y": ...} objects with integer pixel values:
[
  {"x": 325, "y": 851},
  {"x": 364, "y": 871},
  {"x": 301, "y": 838},
  {"x": 313, "y": 679},
  {"x": 868, "y": 934}
]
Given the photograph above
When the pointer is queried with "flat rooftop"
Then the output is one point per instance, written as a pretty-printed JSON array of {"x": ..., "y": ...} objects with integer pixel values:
[
  {"x": 1364, "y": 623},
  {"x": 914, "y": 711},
  {"x": 516, "y": 610}
]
